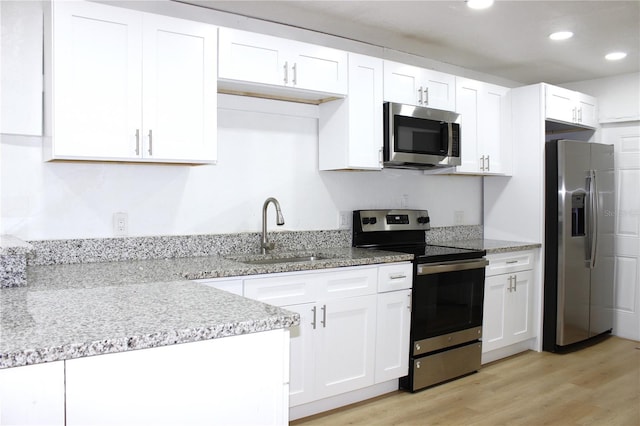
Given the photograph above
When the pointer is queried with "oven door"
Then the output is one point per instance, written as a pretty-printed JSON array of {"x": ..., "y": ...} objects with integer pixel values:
[{"x": 447, "y": 304}]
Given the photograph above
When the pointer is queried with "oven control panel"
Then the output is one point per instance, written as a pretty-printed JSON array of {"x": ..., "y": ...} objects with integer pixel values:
[{"x": 390, "y": 220}]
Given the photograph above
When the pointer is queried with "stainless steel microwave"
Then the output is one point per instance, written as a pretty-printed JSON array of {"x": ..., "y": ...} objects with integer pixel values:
[{"x": 418, "y": 137}]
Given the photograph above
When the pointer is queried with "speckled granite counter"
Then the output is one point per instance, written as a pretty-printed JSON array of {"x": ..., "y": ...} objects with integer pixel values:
[
  {"x": 77, "y": 310},
  {"x": 492, "y": 246}
]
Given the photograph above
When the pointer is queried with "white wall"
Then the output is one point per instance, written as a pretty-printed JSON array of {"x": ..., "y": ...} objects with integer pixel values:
[{"x": 266, "y": 148}]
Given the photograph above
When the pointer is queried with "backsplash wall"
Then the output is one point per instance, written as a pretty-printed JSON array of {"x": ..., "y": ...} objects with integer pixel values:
[{"x": 265, "y": 148}]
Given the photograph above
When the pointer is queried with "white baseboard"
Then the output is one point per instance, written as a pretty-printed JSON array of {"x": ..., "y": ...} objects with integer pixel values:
[
  {"x": 341, "y": 400},
  {"x": 516, "y": 348}
]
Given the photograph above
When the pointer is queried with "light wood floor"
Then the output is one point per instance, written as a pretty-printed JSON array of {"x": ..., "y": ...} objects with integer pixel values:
[{"x": 598, "y": 385}]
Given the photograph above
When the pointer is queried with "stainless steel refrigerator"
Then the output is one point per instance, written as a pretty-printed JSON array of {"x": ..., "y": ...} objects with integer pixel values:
[{"x": 579, "y": 243}]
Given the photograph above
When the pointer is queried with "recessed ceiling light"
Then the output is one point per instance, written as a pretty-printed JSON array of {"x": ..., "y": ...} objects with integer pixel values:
[
  {"x": 479, "y": 4},
  {"x": 561, "y": 35},
  {"x": 615, "y": 56}
]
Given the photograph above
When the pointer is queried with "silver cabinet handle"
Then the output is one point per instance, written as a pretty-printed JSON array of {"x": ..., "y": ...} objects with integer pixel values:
[
  {"x": 410, "y": 301},
  {"x": 420, "y": 93},
  {"x": 509, "y": 262},
  {"x": 574, "y": 115},
  {"x": 150, "y": 142},
  {"x": 324, "y": 316},
  {"x": 295, "y": 74},
  {"x": 380, "y": 160},
  {"x": 286, "y": 72},
  {"x": 515, "y": 283},
  {"x": 397, "y": 277},
  {"x": 482, "y": 163},
  {"x": 313, "y": 323},
  {"x": 426, "y": 96},
  {"x": 579, "y": 115},
  {"x": 488, "y": 163},
  {"x": 137, "y": 141}
]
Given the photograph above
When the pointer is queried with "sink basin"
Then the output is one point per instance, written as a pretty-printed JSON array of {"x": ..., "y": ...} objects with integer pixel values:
[{"x": 269, "y": 261}]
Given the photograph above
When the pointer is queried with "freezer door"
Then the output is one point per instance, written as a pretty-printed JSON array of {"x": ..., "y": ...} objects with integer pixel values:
[
  {"x": 573, "y": 292},
  {"x": 602, "y": 271}
]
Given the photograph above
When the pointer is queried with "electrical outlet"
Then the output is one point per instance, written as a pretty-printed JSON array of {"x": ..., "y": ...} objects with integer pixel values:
[
  {"x": 344, "y": 220},
  {"x": 458, "y": 217},
  {"x": 120, "y": 224}
]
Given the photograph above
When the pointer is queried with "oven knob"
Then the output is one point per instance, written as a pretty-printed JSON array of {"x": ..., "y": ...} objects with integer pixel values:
[
  {"x": 418, "y": 364},
  {"x": 417, "y": 346},
  {"x": 373, "y": 220},
  {"x": 365, "y": 220}
]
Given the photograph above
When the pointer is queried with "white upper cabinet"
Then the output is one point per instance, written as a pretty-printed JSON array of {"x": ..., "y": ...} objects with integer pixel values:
[
  {"x": 21, "y": 67},
  {"x": 567, "y": 106},
  {"x": 130, "y": 86},
  {"x": 484, "y": 120},
  {"x": 412, "y": 85},
  {"x": 251, "y": 63},
  {"x": 350, "y": 129}
]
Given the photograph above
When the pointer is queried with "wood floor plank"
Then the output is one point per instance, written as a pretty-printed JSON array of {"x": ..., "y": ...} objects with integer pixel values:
[{"x": 597, "y": 385}]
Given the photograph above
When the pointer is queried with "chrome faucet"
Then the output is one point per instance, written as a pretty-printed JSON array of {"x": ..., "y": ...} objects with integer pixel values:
[{"x": 279, "y": 221}]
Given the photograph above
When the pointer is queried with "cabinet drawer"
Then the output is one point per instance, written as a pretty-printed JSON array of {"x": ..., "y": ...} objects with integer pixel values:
[
  {"x": 396, "y": 276},
  {"x": 505, "y": 263},
  {"x": 349, "y": 283},
  {"x": 231, "y": 285},
  {"x": 284, "y": 289}
]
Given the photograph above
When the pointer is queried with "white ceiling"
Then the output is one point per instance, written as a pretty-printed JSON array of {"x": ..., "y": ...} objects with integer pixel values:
[{"x": 508, "y": 40}]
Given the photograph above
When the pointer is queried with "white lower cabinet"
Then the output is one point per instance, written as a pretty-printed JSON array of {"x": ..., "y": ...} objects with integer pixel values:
[
  {"x": 508, "y": 305},
  {"x": 392, "y": 336},
  {"x": 32, "y": 395},
  {"x": 354, "y": 326},
  {"x": 238, "y": 380}
]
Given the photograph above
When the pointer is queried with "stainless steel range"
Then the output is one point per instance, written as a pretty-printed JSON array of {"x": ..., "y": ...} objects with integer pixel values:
[{"x": 447, "y": 296}]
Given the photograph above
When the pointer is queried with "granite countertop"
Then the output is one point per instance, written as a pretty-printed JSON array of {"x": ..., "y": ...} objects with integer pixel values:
[
  {"x": 493, "y": 246},
  {"x": 77, "y": 310}
]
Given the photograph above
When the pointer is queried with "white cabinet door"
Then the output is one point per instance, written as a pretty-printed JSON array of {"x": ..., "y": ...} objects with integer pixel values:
[
  {"x": 32, "y": 395},
  {"x": 97, "y": 81},
  {"x": 236, "y": 380},
  {"x": 21, "y": 67},
  {"x": 393, "y": 324},
  {"x": 250, "y": 57},
  {"x": 494, "y": 315},
  {"x": 259, "y": 59},
  {"x": 521, "y": 308},
  {"x": 234, "y": 286},
  {"x": 345, "y": 345},
  {"x": 180, "y": 90},
  {"x": 508, "y": 310},
  {"x": 318, "y": 68},
  {"x": 484, "y": 114},
  {"x": 571, "y": 107},
  {"x": 350, "y": 129},
  {"x": 412, "y": 85},
  {"x": 439, "y": 90},
  {"x": 302, "y": 354},
  {"x": 401, "y": 83}
]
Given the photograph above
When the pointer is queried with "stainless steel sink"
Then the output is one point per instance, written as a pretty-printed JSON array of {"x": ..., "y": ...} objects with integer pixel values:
[{"x": 274, "y": 260}]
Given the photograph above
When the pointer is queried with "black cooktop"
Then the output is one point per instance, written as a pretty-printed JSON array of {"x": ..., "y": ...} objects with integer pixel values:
[{"x": 429, "y": 253}]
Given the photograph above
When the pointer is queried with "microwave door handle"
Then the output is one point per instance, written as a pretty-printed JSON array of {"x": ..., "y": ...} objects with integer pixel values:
[{"x": 449, "y": 140}]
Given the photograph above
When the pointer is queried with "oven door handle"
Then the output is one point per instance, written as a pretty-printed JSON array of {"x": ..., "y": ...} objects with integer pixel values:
[{"x": 460, "y": 265}]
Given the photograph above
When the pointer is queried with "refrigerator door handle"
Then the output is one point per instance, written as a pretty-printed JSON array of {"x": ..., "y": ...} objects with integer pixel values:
[{"x": 593, "y": 217}]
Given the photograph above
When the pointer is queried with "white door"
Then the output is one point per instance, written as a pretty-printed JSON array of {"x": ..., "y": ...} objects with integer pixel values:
[
  {"x": 491, "y": 125},
  {"x": 495, "y": 312},
  {"x": 180, "y": 89},
  {"x": 365, "y": 112},
  {"x": 401, "y": 83},
  {"x": 346, "y": 344},
  {"x": 468, "y": 97},
  {"x": 587, "y": 110},
  {"x": 251, "y": 57},
  {"x": 626, "y": 140},
  {"x": 560, "y": 104},
  {"x": 302, "y": 354},
  {"x": 318, "y": 68},
  {"x": 438, "y": 90},
  {"x": 98, "y": 80},
  {"x": 393, "y": 323},
  {"x": 520, "y": 307}
]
